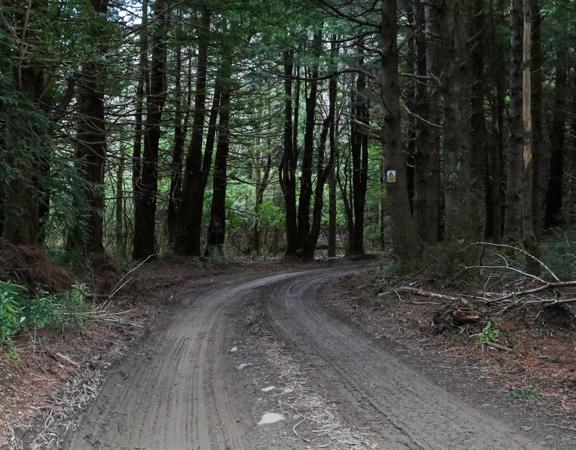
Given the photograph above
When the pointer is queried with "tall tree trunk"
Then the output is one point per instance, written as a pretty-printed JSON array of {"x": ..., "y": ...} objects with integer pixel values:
[
  {"x": 334, "y": 152},
  {"x": 141, "y": 90},
  {"x": 262, "y": 180},
  {"x": 119, "y": 216},
  {"x": 145, "y": 199},
  {"x": 91, "y": 144},
  {"x": 428, "y": 181},
  {"x": 177, "y": 151},
  {"x": 404, "y": 237},
  {"x": 306, "y": 168},
  {"x": 513, "y": 220},
  {"x": 479, "y": 160},
  {"x": 528, "y": 236},
  {"x": 21, "y": 224},
  {"x": 555, "y": 191},
  {"x": 359, "y": 155},
  {"x": 537, "y": 132},
  {"x": 189, "y": 235},
  {"x": 287, "y": 172},
  {"x": 421, "y": 129},
  {"x": 495, "y": 151},
  {"x": 217, "y": 227},
  {"x": 460, "y": 222}
]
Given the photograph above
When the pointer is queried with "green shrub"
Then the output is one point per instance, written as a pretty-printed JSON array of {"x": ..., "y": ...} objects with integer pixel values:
[
  {"x": 488, "y": 335},
  {"x": 19, "y": 313},
  {"x": 11, "y": 311}
]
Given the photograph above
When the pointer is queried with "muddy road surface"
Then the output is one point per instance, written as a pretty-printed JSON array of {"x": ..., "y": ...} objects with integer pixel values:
[{"x": 195, "y": 383}]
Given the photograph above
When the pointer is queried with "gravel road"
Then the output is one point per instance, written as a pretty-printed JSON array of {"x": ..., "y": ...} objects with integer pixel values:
[{"x": 182, "y": 386}]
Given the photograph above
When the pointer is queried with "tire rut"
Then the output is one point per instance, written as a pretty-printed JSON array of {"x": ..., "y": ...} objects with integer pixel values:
[
  {"x": 373, "y": 387},
  {"x": 180, "y": 389}
]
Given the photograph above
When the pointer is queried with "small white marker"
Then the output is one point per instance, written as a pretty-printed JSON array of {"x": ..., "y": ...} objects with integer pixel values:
[
  {"x": 268, "y": 389},
  {"x": 243, "y": 366},
  {"x": 269, "y": 418},
  {"x": 234, "y": 349}
]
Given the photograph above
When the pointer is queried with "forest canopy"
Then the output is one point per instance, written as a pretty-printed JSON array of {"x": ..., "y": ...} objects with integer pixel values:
[{"x": 221, "y": 127}]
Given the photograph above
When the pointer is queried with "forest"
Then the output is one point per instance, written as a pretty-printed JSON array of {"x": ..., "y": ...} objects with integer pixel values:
[
  {"x": 282, "y": 127},
  {"x": 435, "y": 137}
]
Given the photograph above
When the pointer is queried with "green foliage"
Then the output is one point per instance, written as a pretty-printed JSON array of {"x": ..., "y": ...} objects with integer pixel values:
[
  {"x": 271, "y": 215},
  {"x": 488, "y": 335},
  {"x": 11, "y": 312},
  {"x": 525, "y": 394},
  {"x": 57, "y": 311}
]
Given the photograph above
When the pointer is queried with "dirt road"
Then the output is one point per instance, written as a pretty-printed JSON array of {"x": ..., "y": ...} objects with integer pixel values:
[{"x": 196, "y": 382}]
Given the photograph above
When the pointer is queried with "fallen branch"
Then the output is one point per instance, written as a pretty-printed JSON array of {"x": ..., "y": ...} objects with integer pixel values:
[
  {"x": 544, "y": 287},
  {"x": 499, "y": 347},
  {"x": 518, "y": 249},
  {"x": 423, "y": 293},
  {"x": 121, "y": 283}
]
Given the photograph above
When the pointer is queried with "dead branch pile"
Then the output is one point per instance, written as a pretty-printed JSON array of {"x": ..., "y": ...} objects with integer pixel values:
[{"x": 499, "y": 293}]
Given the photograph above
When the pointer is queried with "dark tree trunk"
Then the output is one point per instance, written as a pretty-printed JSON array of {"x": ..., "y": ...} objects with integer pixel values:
[
  {"x": 495, "y": 153},
  {"x": 537, "y": 132},
  {"x": 141, "y": 87},
  {"x": 188, "y": 239},
  {"x": 177, "y": 151},
  {"x": 428, "y": 185},
  {"x": 461, "y": 225},
  {"x": 306, "y": 249},
  {"x": 420, "y": 203},
  {"x": 531, "y": 244},
  {"x": 334, "y": 152},
  {"x": 145, "y": 199},
  {"x": 91, "y": 152},
  {"x": 287, "y": 172},
  {"x": 479, "y": 160},
  {"x": 23, "y": 193},
  {"x": 217, "y": 227},
  {"x": 359, "y": 155},
  {"x": 555, "y": 191},
  {"x": 91, "y": 148},
  {"x": 513, "y": 219},
  {"x": 119, "y": 225},
  {"x": 404, "y": 237},
  {"x": 261, "y": 181}
]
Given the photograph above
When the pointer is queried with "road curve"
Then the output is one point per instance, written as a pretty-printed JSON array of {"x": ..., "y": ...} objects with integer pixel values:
[
  {"x": 402, "y": 408},
  {"x": 179, "y": 389}
]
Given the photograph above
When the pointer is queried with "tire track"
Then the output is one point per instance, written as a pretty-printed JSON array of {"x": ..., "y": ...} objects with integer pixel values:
[{"x": 375, "y": 389}]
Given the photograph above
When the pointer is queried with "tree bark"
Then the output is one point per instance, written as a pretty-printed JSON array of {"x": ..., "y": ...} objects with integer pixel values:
[
  {"x": 359, "y": 130},
  {"x": 21, "y": 224},
  {"x": 217, "y": 226},
  {"x": 528, "y": 237},
  {"x": 513, "y": 219},
  {"x": 175, "y": 198},
  {"x": 479, "y": 159},
  {"x": 460, "y": 222},
  {"x": 188, "y": 239},
  {"x": 332, "y": 211},
  {"x": 91, "y": 146},
  {"x": 537, "y": 126},
  {"x": 306, "y": 167},
  {"x": 495, "y": 154},
  {"x": 141, "y": 88},
  {"x": 119, "y": 216},
  {"x": 145, "y": 199},
  {"x": 427, "y": 163},
  {"x": 287, "y": 172},
  {"x": 404, "y": 237},
  {"x": 555, "y": 190}
]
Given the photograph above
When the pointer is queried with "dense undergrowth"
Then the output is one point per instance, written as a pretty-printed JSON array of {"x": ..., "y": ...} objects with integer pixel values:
[{"x": 20, "y": 312}]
